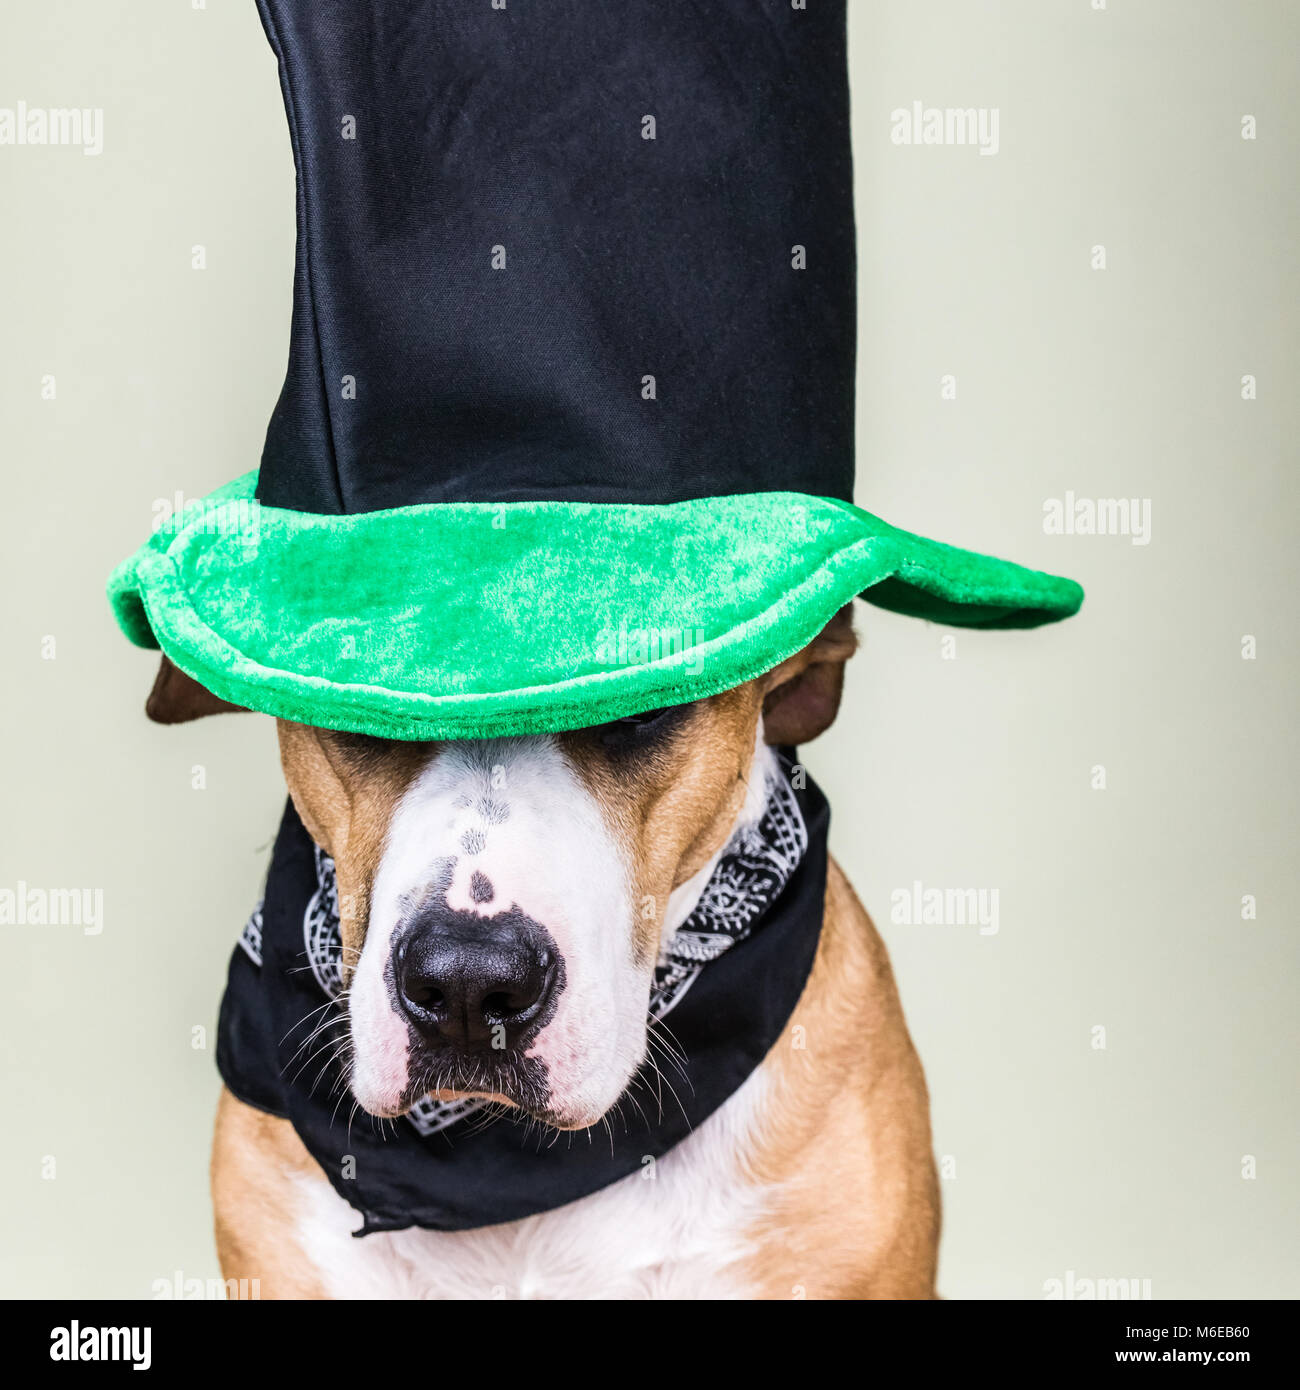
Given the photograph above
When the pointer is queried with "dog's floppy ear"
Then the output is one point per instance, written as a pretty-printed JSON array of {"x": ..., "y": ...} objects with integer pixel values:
[
  {"x": 177, "y": 698},
  {"x": 802, "y": 695}
]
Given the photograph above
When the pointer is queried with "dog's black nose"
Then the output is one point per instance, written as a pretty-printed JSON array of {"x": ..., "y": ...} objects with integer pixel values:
[{"x": 474, "y": 983}]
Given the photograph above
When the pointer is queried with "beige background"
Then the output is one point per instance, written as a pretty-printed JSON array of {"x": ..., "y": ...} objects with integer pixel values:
[{"x": 1119, "y": 908}]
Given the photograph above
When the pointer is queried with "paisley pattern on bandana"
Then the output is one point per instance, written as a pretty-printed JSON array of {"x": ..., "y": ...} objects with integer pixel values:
[{"x": 753, "y": 869}]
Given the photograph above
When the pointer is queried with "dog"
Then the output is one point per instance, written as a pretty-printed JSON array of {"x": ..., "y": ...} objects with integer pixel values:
[{"x": 815, "y": 1179}]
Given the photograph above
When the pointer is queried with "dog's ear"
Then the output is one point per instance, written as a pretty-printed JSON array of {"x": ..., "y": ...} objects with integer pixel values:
[
  {"x": 177, "y": 698},
  {"x": 802, "y": 695}
]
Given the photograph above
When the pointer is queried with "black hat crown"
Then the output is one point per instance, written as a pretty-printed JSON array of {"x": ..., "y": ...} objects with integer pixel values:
[{"x": 565, "y": 249}]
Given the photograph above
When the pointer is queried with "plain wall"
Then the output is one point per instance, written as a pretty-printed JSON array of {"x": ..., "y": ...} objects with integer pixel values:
[{"x": 966, "y": 764}]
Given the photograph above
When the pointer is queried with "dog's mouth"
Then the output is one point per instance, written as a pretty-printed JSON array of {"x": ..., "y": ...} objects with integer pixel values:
[
  {"x": 511, "y": 1084},
  {"x": 509, "y": 1080}
]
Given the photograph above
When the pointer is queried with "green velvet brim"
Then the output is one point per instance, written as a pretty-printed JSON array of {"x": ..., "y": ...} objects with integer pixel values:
[{"x": 467, "y": 620}]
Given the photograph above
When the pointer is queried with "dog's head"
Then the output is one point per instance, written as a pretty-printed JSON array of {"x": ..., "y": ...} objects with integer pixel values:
[{"x": 503, "y": 902}]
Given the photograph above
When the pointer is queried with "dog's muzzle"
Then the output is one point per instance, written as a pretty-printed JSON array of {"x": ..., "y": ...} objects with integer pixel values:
[{"x": 475, "y": 990}]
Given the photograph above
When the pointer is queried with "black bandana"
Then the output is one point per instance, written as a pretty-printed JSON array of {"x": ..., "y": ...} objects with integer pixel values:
[{"x": 731, "y": 978}]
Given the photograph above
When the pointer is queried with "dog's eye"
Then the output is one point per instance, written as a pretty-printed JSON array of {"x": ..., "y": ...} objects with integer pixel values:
[
  {"x": 643, "y": 730},
  {"x": 650, "y": 716}
]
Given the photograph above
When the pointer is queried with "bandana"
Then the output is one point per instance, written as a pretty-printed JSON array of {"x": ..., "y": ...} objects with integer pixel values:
[{"x": 730, "y": 978}]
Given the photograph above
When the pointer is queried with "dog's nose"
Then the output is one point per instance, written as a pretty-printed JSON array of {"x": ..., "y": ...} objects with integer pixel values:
[{"x": 474, "y": 985}]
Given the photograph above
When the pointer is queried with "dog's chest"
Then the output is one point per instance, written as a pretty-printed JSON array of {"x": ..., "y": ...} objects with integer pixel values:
[{"x": 678, "y": 1229}]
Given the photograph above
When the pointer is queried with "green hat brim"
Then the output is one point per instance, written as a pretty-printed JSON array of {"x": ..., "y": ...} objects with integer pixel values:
[{"x": 475, "y": 620}]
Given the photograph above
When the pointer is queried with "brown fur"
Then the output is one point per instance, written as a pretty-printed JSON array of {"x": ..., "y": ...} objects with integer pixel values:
[
  {"x": 848, "y": 1148},
  {"x": 856, "y": 1206},
  {"x": 345, "y": 788},
  {"x": 846, "y": 1160},
  {"x": 177, "y": 698},
  {"x": 256, "y": 1160},
  {"x": 675, "y": 810}
]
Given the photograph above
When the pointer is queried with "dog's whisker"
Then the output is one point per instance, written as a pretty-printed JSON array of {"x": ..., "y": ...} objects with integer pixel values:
[
  {"x": 310, "y": 1014},
  {"x": 324, "y": 1068},
  {"x": 673, "y": 1092},
  {"x": 328, "y": 1043},
  {"x": 316, "y": 1032},
  {"x": 319, "y": 1033},
  {"x": 674, "y": 1056},
  {"x": 661, "y": 1033},
  {"x": 329, "y": 1061}
]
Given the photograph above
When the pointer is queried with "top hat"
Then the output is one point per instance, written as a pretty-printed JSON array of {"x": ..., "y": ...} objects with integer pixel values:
[{"x": 567, "y": 429}]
